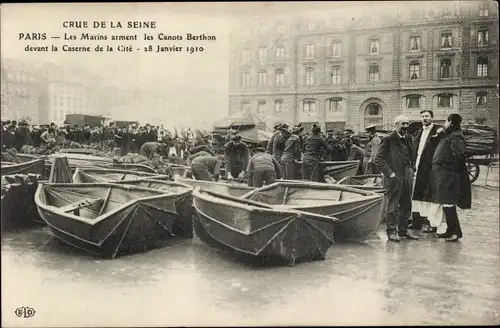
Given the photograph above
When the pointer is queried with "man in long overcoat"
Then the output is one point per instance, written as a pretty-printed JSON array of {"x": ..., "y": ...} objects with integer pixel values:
[
  {"x": 395, "y": 160},
  {"x": 425, "y": 214}
]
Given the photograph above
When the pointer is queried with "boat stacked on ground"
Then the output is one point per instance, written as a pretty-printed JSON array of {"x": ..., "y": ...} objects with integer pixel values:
[
  {"x": 261, "y": 231},
  {"x": 35, "y": 166},
  {"x": 112, "y": 175},
  {"x": 358, "y": 212},
  {"x": 108, "y": 219},
  {"x": 336, "y": 170}
]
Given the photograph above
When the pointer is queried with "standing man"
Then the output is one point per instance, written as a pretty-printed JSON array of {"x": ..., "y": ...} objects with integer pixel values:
[
  {"x": 313, "y": 153},
  {"x": 291, "y": 154},
  {"x": 355, "y": 154},
  {"x": 279, "y": 142},
  {"x": 236, "y": 156},
  {"x": 395, "y": 160},
  {"x": 262, "y": 168},
  {"x": 371, "y": 149},
  {"x": 270, "y": 143},
  {"x": 425, "y": 213}
]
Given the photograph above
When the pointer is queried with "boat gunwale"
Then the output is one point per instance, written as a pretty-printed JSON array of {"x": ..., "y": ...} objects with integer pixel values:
[
  {"x": 255, "y": 206},
  {"x": 13, "y": 164},
  {"x": 242, "y": 187},
  {"x": 362, "y": 176},
  {"x": 99, "y": 218},
  {"x": 105, "y": 170}
]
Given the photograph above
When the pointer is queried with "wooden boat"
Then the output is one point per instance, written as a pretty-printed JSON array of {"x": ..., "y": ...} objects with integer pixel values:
[
  {"x": 108, "y": 219},
  {"x": 112, "y": 175},
  {"x": 18, "y": 207},
  {"x": 36, "y": 166},
  {"x": 336, "y": 170},
  {"x": 132, "y": 167},
  {"x": 359, "y": 212},
  {"x": 83, "y": 151},
  {"x": 180, "y": 170},
  {"x": 261, "y": 231},
  {"x": 235, "y": 189}
]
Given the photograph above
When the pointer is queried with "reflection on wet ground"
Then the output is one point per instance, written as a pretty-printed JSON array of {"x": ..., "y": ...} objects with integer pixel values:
[{"x": 188, "y": 283}]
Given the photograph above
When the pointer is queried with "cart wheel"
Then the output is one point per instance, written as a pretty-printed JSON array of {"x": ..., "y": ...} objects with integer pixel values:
[{"x": 473, "y": 171}]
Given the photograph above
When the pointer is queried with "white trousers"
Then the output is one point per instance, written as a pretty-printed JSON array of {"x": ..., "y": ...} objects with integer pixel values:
[{"x": 433, "y": 212}]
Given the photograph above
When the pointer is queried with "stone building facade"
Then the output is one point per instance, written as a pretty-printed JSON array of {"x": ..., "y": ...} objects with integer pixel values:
[{"x": 341, "y": 71}]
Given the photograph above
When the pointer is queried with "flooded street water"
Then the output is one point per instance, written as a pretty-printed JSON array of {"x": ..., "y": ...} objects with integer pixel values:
[{"x": 188, "y": 283}]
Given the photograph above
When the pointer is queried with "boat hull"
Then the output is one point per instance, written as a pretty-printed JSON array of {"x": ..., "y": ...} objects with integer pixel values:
[
  {"x": 358, "y": 217},
  {"x": 112, "y": 175},
  {"x": 259, "y": 233},
  {"x": 36, "y": 166},
  {"x": 141, "y": 218},
  {"x": 336, "y": 170}
]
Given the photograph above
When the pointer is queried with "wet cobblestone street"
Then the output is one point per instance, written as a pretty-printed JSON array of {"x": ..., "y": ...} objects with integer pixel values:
[{"x": 187, "y": 283}]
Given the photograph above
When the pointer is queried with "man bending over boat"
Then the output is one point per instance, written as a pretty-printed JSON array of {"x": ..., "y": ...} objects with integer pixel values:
[
  {"x": 152, "y": 149},
  {"x": 236, "y": 154},
  {"x": 262, "y": 168},
  {"x": 206, "y": 167}
]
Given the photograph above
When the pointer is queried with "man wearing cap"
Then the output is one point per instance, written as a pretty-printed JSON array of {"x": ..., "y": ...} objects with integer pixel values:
[
  {"x": 150, "y": 149},
  {"x": 395, "y": 160},
  {"x": 236, "y": 156},
  {"x": 270, "y": 143},
  {"x": 314, "y": 148},
  {"x": 279, "y": 142},
  {"x": 371, "y": 149},
  {"x": 205, "y": 166},
  {"x": 262, "y": 169},
  {"x": 291, "y": 154}
]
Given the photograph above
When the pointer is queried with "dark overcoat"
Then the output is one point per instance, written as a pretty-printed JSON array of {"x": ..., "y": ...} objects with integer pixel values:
[
  {"x": 389, "y": 158},
  {"x": 450, "y": 184},
  {"x": 422, "y": 180}
]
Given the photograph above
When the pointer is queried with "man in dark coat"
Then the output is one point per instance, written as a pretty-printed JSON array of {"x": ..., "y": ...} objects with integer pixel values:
[
  {"x": 206, "y": 167},
  {"x": 355, "y": 154},
  {"x": 291, "y": 154},
  {"x": 395, "y": 160},
  {"x": 236, "y": 155},
  {"x": 314, "y": 148},
  {"x": 371, "y": 149},
  {"x": 425, "y": 143},
  {"x": 152, "y": 149},
  {"x": 450, "y": 184},
  {"x": 262, "y": 168},
  {"x": 279, "y": 142},
  {"x": 270, "y": 143}
]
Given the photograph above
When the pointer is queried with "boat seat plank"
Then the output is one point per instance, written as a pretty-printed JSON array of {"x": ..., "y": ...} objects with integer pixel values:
[{"x": 81, "y": 204}]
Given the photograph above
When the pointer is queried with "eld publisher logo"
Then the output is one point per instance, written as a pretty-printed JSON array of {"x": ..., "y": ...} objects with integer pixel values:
[{"x": 25, "y": 312}]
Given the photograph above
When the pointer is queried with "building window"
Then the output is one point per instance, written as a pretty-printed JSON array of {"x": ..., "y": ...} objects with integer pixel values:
[
  {"x": 445, "y": 100},
  {"x": 413, "y": 101},
  {"x": 336, "y": 49},
  {"x": 278, "y": 106},
  {"x": 245, "y": 106},
  {"x": 245, "y": 55},
  {"x": 445, "y": 68},
  {"x": 245, "y": 79},
  {"x": 310, "y": 26},
  {"x": 262, "y": 78},
  {"x": 482, "y": 67},
  {"x": 481, "y": 98},
  {"x": 483, "y": 9},
  {"x": 279, "y": 77},
  {"x": 262, "y": 55},
  {"x": 310, "y": 76},
  {"x": 414, "y": 70},
  {"x": 374, "y": 46},
  {"x": 373, "y": 109},
  {"x": 446, "y": 40},
  {"x": 482, "y": 37},
  {"x": 280, "y": 52},
  {"x": 335, "y": 105},
  {"x": 373, "y": 73},
  {"x": 415, "y": 43},
  {"x": 335, "y": 75},
  {"x": 310, "y": 51},
  {"x": 309, "y": 106},
  {"x": 262, "y": 106}
]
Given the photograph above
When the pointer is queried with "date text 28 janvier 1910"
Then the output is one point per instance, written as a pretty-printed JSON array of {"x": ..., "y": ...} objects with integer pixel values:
[{"x": 84, "y": 36}]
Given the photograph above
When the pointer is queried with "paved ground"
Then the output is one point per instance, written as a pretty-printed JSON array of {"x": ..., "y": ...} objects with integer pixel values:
[{"x": 187, "y": 283}]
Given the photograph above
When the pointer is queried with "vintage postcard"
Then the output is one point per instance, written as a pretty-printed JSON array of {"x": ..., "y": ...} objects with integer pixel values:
[{"x": 249, "y": 163}]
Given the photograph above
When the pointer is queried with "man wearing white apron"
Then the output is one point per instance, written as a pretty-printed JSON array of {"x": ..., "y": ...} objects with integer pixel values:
[{"x": 426, "y": 215}]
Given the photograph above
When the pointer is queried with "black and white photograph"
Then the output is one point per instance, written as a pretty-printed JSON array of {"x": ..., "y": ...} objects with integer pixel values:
[{"x": 225, "y": 164}]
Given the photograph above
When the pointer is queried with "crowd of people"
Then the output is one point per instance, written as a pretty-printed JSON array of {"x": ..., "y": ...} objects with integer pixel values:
[{"x": 425, "y": 177}]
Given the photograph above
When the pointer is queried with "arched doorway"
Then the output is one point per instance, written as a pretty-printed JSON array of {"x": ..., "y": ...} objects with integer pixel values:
[{"x": 372, "y": 113}]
